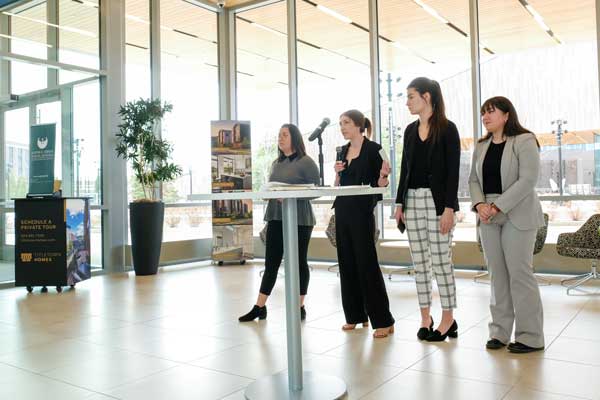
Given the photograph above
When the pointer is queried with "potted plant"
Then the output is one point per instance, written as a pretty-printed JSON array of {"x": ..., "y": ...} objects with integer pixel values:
[{"x": 149, "y": 156}]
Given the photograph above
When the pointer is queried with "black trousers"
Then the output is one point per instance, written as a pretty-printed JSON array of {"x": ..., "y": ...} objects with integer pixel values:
[
  {"x": 363, "y": 288},
  {"x": 274, "y": 255}
]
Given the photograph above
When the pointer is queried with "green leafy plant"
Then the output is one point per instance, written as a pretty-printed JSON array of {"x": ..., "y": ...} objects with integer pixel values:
[{"x": 136, "y": 142}]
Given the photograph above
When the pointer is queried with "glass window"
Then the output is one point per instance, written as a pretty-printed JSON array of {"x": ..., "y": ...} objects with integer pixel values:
[
  {"x": 189, "y": 75},
  {"x": 262, "y": 84},
  {"x": 545, "y": 61},
  {"x": 28, "y": 26},
  {"x": 16, "y": 131},
  {"x": 432, "y": 41},
  {"x": 137, "y": 67},
  {"x": 333, "y": 70},
  {"x": 79, "y": 36},
  {"x": 28, "y": 29},
  {"x": 86, "y": 144},
  {"x": 137, "y": 49}
]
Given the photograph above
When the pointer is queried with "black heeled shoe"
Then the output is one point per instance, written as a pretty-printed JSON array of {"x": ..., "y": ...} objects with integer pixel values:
[
  {"x": 437, "y": 336},
  {"x": 494, "y": 344},
  {"x": 302, "y": 313},
  {"x": 521, "y": 348},
  {"x": 256, "y": 312},
  {"x": 424, "y": 332}
]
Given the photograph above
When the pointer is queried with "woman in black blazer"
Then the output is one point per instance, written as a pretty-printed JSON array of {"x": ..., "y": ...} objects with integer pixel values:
[
  {"x": 364, "y": 295},
  {"x": 427, "y": 200}
]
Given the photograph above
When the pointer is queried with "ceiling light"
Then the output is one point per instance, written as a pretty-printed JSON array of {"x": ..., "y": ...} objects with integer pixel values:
[
  {"x": 334, "y": 14},
  {"x": 399, "y": 46},
  {"x": 61, "y": 27},
  {"x": 25, "y": 40},
  {"x": 266, "y": 28},
  {"x": 539, "y": 19},
  {"x": 87, "y": 3},
  {"x": 431, "y": 11},
  {"x": 136, "y": 19}
]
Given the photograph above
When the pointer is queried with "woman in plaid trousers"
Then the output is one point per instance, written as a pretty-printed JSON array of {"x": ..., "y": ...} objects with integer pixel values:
[{"x": 427, "y": 200}]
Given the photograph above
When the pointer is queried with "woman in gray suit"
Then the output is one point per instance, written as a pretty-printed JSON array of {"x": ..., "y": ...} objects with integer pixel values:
[{"x": 504, "y": 173}]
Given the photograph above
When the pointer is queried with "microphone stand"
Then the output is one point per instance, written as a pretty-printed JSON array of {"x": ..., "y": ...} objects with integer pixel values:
[{"x": 321, "y": 176}]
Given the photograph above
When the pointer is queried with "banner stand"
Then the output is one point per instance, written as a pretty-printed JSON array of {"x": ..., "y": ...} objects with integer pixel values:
[{"x": 231, "y": 171}]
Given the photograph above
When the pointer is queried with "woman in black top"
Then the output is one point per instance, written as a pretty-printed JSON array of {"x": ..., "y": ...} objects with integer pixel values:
[
  {"x": 427, "y": 199},
  {"x": 363, "y": 289}
]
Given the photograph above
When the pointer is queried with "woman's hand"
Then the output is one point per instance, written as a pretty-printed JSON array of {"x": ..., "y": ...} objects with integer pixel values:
[
  {"x": 383, "y": 175},
  {"x": 447, "y": 221},
  {"x": 339, "y": 167},
  {"x": 385, "y": 170},
  {"x": 399, "y": 215},
  {"x": 484, "y": 211}
]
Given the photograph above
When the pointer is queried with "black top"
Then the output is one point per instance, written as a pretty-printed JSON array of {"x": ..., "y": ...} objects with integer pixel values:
[
  {"x": 363, "y": 170},
  {"x": 492, "y": 180},
  {"x": 419, "y": 178},
  {"x": 444, "y": 164}
]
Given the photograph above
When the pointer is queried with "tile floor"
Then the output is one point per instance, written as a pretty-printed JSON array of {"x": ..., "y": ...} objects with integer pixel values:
[{"x": 176, "y": 336}]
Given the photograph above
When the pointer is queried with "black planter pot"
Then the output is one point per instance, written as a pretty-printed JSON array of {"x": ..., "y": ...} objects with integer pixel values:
[{"x": 146, "y": 221}]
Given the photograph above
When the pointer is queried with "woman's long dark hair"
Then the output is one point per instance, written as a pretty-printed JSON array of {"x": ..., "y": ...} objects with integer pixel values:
[
  {"x": 297, "y": 142},
  {"x": 438, "y": 121},
  {"x": 512, "y": 127},
  {"x": 360, "y": 120}
]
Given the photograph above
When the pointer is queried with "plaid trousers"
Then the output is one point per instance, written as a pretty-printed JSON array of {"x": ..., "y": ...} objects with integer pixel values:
[{"x": 430, "y": 250}]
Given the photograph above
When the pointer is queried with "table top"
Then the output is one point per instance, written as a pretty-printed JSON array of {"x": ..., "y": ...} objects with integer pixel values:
[{"x": 290, "y": 193}]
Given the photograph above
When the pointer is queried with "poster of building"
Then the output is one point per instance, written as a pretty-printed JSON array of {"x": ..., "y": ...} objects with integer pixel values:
[{"x": 231, "y": 170}]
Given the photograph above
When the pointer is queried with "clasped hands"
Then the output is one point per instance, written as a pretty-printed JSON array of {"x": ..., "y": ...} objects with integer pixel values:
[{"x": 486, "y": 211}]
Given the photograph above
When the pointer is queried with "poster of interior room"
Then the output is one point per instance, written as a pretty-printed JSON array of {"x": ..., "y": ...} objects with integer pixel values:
[
  {"x": 231, "y": 172},
  {"x": 232, "y": 243}
]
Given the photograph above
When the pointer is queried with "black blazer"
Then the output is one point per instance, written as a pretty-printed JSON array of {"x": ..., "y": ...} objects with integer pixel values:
[
  {"x": 444, "y": 162},
  {"x": 363, "y": 170}
]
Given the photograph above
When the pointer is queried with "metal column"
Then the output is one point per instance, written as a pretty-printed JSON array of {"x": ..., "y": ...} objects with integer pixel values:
[
  {"x": 114, "y": 172},
  {"x": 292, "y": 47}
]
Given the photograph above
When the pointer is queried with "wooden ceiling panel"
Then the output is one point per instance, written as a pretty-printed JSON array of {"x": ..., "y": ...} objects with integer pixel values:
[
  {"x": 506, "y": 27},
  {"x": 30, "y": 30},
  {"x": 252, "y": 39},
  {"x": 189, "y": 18},
  {"x": 274, "y": 16},
  {"x": 571, "y": 21}
]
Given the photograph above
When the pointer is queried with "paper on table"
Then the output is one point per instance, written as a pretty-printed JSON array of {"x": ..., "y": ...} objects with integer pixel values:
[{"x": 287, "y": 186}]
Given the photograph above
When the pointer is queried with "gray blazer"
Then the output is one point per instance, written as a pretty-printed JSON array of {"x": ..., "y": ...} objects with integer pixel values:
[{"x": 519, "y": 170}]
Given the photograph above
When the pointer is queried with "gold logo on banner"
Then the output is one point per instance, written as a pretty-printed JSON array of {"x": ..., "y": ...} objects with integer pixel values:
[{"x": 26, "y": 257}]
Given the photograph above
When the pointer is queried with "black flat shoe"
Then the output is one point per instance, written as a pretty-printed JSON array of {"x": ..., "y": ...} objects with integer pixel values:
[
  {"x": 302, "y": 313},
  {"x": 424, "y": 332},
  {"x": 521, "y": 348},
  {"x": 437, "y": 336},
  {"x": 494, "y": 344},
  {"x": 256, "y": 312}
]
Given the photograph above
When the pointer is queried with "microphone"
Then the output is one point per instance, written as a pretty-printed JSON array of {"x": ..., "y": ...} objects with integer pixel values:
[
  {"x": 317, "y": 132},
  {"x": 339, "y": 155}
]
